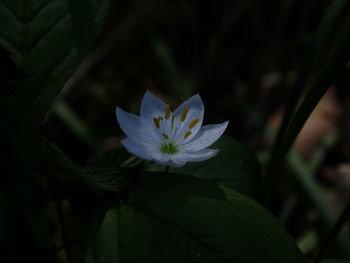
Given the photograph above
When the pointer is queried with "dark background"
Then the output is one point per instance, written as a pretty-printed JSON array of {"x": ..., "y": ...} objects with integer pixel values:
[{"x": 247, "y": 59}]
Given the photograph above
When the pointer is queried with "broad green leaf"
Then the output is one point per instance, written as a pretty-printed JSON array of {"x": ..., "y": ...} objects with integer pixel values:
[
  {"x": 42, "y": 37},
  {"x": 179, "y": 218},
  {"x": 106, "y": 245},
  {"x": 105, "y": 173},
  {"x": 235, "y": 166}
]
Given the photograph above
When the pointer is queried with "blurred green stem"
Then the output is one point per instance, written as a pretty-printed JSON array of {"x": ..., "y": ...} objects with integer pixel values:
[
  {"x": 329, "y": 239},
  {"x": 78, "y": 127}
]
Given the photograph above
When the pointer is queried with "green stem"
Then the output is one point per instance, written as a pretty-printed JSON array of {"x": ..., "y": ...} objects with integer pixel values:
[
  {"x": 327, "y": 242},
  {"x": 167, "y": 169}
]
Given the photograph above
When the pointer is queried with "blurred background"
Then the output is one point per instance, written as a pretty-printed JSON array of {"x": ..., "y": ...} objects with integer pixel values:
[{"x": 248, "y": 60}]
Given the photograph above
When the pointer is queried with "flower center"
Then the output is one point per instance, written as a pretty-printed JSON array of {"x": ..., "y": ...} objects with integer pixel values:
[{"x": 168, "y": 148}]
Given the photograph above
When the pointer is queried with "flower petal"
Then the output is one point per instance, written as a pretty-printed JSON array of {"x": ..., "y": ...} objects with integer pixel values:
[
  {"x": 207, "y": 135},
  {"x": 162, "y": 159},
  {"x": 197, "y": 156},
  {"x": 137, "y": 148},
  {"x": 195, "y": 108},
  {"x": 151, "y": 106},
  {"x": 135, "y": 127}
]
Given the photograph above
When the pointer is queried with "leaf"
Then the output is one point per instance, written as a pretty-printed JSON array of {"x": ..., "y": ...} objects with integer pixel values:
[
  {"x": 105, "y": 173},
  {"x": 179, "y": 218},
  {"x": 105, "y": 248},
  {"x": 41, "y": 36},
  {"x": 235, "y": 166}
]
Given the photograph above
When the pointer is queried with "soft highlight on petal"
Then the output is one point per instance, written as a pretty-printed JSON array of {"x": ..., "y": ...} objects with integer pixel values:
[
  {"x": 141, "y": 150},
  {"x": 128, "y": 122},
  {"x": 198, "y": 156},
  {"x": 135, "y": 127},
  {"x": 206, "y": 136},
  {"x": 152, "y": 107}
]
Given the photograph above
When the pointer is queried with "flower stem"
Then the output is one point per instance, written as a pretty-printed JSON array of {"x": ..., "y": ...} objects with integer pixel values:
[
  {"x": 325, "y": 245},
  {"x": 167, "y": 169}
]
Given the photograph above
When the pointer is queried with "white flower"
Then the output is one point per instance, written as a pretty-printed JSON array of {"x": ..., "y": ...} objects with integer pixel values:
[{"x": 169, "y": 138}]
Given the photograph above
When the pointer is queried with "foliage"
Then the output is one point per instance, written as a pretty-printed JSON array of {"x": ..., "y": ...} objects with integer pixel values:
[{"x": 115, "y": 208}]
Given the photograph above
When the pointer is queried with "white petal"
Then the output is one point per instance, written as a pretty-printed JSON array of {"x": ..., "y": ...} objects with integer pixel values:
[
  {"x": 135, "y": 127},
  {"x": 177, "y": 162},
  {"x": 151, "y": 106},
  {"x": 196, "y": 110},
  {"x": 167, "y": 159},
  {"x": 197, "y": 156},
  {"x": 162, "y": 159},
  {"x": 141, "y": 150},
  {"x": 207, "y": 135}
]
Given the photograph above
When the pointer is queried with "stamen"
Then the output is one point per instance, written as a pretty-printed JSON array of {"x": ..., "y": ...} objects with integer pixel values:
[
  {"x": 193, "y": 123},
  {"x": 167, "y": 112},
  {"x": 157, "y": 121},
  {"x": 165, "y": 136},
  {"x": 188, "y": 133},
  {"x": 184, "y": 114}
]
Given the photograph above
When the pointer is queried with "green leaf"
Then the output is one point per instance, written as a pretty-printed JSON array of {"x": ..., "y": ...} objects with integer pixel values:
[
  {"x": 105, "y": 247},
  {"x": 105, "y": 173},
  {"x": 179, "y": 218},
  {"x": 41, "y": 35},
  {"x": 235, "y": 166}
]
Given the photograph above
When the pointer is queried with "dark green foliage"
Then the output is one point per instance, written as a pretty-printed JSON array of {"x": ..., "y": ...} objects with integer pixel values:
[
  {"x": 40, "y": 39},
  {"x": 117, "y": 208},
  {"x": 235, "y": 166},
  {"x": 242, "y": 175},
  {"x": 178, "y": 218}
]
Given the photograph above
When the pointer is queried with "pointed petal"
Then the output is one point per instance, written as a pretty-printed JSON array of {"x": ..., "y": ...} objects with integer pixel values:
[
  {"x": 207, "y": 135},
  {"x": 195, "y": 110},
  {"x": 161, "y": 159},
  {"x": 151, "y": 106},
  {"x": 135, "y": 127},
  {"x": 177, "y": 162},
  {"x": 197, "y": 156},
  {"x": 166, "y": 159},
  {"x": 141, "y": 150}
]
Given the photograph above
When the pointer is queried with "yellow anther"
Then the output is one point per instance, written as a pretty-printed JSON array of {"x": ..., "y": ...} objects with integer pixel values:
[
  {"x": 167, "y": 112},
  {"x": 193, "y": 123},
  {"x": 184, "y": 114},
  {"x": 157, "y": 121},
  {"x": 165, "y": 136},
  {"x": 188, "y": 133}
]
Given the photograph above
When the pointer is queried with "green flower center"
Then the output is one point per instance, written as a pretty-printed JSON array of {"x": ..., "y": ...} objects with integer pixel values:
[{"x": 168, "y": 148}]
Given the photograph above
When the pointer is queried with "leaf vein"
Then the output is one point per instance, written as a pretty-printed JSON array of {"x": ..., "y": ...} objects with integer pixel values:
[
  {"x": 39, "y": 39},
  {"x": 37, "y": 12},
  {"x": 17, "y": 18},
  {"x": 12, "y": 46}
]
